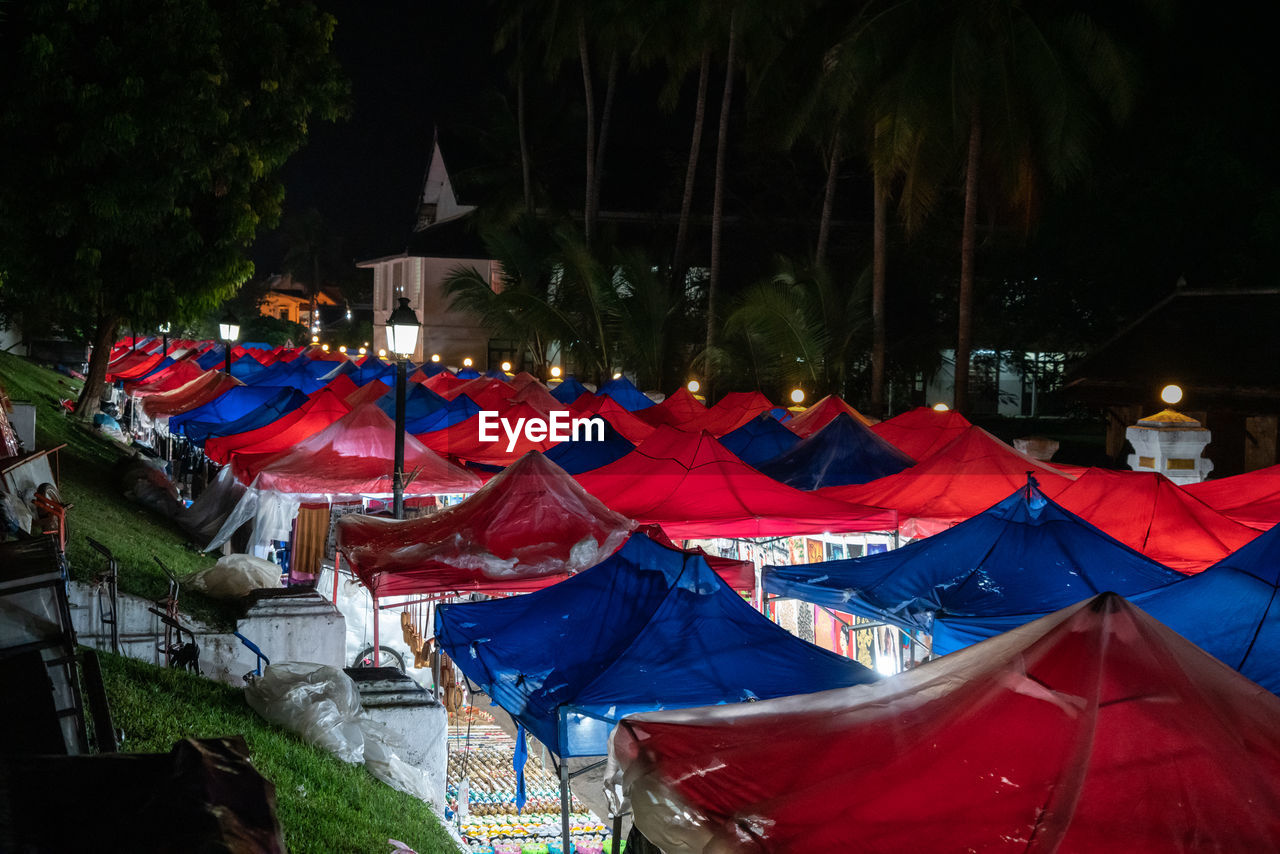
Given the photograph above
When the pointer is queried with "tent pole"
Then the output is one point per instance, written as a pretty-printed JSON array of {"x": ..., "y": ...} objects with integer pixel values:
[
  {"x": 617, "y": 833},
  {"x": 565, "y": 824},
  {"x": 337, "y": 562},
  {"x": 375, "y": 631}
]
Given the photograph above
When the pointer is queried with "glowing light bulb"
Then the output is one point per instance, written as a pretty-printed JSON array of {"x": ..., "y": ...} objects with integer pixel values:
[
  {"x": 555, "y": 371},
  {"x": 315, "y": 339},
  {"x": 797, "y": 395},
  {"x": 1171, "y": 394},
  {"x": 325, "y": 348},
  {"x": 363, "y": 350},
  {"x": 940, "y": 407},
  {"x": 435, "y": 357},
  {"x": 694, "y": 386},
  {"x": 617, "y": 375},
  {"x": 382, "y": 353},
  {"x": 506, "y": 367},
  {"x": 342, "y": 348},
  {"x": 466, "y": 363}
]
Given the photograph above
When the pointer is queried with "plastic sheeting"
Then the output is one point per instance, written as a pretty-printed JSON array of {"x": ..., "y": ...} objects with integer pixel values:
[
  {"x": 649, "y": 628},
  {"x": 972, "y": 473},
  {"x": 1149, "y": 512},
  {"x": 1095, "y": 729},
  {"x": 353, "y": 457},
  {"x": 1026, "y": 555},
  {"x": 528, "y": 527},
  {"x": 694, "y": 488},
  {"x": 234, "y": 576},
  {"x": 843, "y": 452},
  {"x": 821, "y": 414},
  {"x": 1252, "y": 498},
  {"x": 922, "y": 432},
  {"x": 759, "y": 440}
]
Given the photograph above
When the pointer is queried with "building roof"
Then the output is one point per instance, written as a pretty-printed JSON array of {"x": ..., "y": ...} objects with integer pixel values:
[{"x": 1219, "y": 345}]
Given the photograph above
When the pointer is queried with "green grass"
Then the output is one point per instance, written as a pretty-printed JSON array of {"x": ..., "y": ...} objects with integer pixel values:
[
  {"x": 133, "y": 533},
  {"x": 324, "y": 805}
]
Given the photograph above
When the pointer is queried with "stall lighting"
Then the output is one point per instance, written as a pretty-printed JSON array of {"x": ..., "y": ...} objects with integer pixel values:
[
  {"x": 435, "y": 357},
  {"x": 940, "y": 407},
  {"x": 694, "y": 386},
  {"x": 506, "y": 367},
  {"x": 382, "y": 353},
  {"x": 797, "y": 396},
  {"x": 555, "y": 371},
  {"x": 1171, "y": 394},
  {"x": 325, "y": 347},
  {"x": 342, "y": 348},
  {"x": 617, "y": 375},
  {"x": 466, "y": 363},
  {"x": 315, "y": 339},
  {"x": 363, "y": 350}
]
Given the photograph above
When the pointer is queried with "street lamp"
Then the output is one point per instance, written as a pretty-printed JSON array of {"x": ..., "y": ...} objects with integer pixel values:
[
  {"x": 164, "y": 345},
  {"x": 402, "y": 338},
  {"x": 229, "y": 331}
]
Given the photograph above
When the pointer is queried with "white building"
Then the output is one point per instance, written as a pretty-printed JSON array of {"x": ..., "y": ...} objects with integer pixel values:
[{"x": 441, "y": 242}]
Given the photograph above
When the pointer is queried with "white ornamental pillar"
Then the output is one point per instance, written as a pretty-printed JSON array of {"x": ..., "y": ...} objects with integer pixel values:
[{"x": 1170, "y": 443}]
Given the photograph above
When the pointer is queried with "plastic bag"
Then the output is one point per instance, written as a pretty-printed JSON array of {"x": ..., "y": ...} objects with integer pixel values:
[
  {"x": 318, "y": 702},
  {"x": 234, "y": 576}
]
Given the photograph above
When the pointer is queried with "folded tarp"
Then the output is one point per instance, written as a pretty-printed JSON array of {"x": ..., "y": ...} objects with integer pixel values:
[
  {"x": 694, "y": 488},
  {"x": 528, "y": 527},
  {"x": 649, "y": 628},
  {"x": 843, "y": 452},
  {"x": 1025, "y": 555},
  {"x": 1095, "y": 729}
]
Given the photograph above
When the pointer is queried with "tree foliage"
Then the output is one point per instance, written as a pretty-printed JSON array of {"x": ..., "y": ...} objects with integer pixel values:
[{"x": 143, "y": 143}]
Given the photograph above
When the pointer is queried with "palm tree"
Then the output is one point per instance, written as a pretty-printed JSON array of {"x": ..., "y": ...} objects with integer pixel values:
[{"x": 1020, "y": 89}]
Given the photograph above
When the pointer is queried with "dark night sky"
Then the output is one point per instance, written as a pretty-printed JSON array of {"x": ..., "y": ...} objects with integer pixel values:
[{"x": 405, "y": 59}]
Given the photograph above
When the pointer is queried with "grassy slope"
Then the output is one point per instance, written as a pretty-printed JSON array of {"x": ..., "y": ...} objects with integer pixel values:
[
  {"x": 101, "y": 511},
  {"x": 324, "y": 805}
]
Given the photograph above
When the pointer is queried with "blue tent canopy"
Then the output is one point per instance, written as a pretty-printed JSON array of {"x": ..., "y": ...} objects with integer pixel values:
[
  {"x": 579, "y": 455},
  {"x": 372, "y": 370},
  {"x": 164, "y": 363},
  {"x": 287, "y": 400},
  {"x": 759, "y": 440},
  {"x": 421, "y": 418},
  {"x": 233, "y": 404},
  {"x": 1230, "y": 611},
  {"x": 430, "y": 369},
  {"x": 246, "y": 368},
  {"x": 650, "y": 628},
  {"x": 843, "y": 452},
  {"x": 214, "y": 357},
  {"x": 1024, "y": 555},
  {"x": 626, "y": 395},
  {"x": 569, "y": 390},
  {"x": 468, "y": 374}
]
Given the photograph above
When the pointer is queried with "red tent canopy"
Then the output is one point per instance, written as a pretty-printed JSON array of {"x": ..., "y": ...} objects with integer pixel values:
[
  {"x": 535, "y": 394},
  {"x": 319, "y": 412},
  {"x": 821, "y": 414},
  {"x": 731, "y": 412},
  {"x": 463, "y": 440},
  {"x": 175, "y": 376},
  {"x": 921, "y": 432},
  {"x": 133, "y": 366},
  {"x": 1148, "y": 512},
  {"x": 738, "y": 574},
  {"x": 353, "y": 456},
  {"x": 694, "y": 487},
  {"x": 524, "y": 378},
  {"x": 342, "y": 385},
  {"x": 370, "y": 392},
  {"x": 487, "y": 392},
  {"x": 1095, "y": 729},
  {"x": 633, "y": 429},
  {"x": 443, "y": 381},
  {"x": 1252, "y": 498},
  {"x": 969, "y": 475},
  {"x": 681, "y": 410},
  {"x": 528, "y": 527},
  {"x": 197, "y": 392}
]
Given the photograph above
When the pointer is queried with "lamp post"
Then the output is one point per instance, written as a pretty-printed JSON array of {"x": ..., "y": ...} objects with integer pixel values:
[
  {"x": 164, "y": 342},
  {"x": 229, "y": 330},
  {"x": 402, "y": 339}
]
